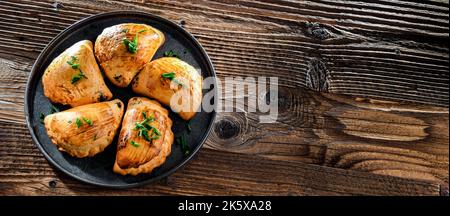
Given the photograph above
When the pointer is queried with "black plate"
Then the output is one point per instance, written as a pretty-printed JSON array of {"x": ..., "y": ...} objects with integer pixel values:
[{"x": 97, "y": 170}]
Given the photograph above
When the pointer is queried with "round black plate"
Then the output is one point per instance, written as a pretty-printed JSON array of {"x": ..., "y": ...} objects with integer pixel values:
[{"x": 97, "y": 170}]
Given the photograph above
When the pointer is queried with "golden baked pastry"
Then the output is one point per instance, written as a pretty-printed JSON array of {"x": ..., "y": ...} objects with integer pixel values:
[
  {"x": 145, "y": 139},
  {"x": 122, "y": 50},
  {"x": 74, "y": 78},
  {"x": 85, "y": 130},
  {"x": 164, "y": 78}
]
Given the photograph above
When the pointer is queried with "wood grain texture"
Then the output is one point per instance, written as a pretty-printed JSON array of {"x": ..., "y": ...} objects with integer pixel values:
[
  {"x": 383, "y": 53},
  {"x": 381, "y": 137},
  {"x": 355, "y": 135},
  {"x": 212, "y": 172},
  {"x": 392, "y": 50}
]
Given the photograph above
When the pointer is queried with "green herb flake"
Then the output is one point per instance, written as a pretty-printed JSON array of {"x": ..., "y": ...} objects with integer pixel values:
[
  {"x": 95, "y": 137},
  {"x": 53, "y": 109},
  {"x": 144, "y": 127},
  {"x": 78, "y": 77},
  {"x": 188, "y": 126},
  {"x": 88, "y": 121},
  {"x": 144, "y": 132},
  {"x": 42, "y": 117},
  {"x": 135, "y": 144},
  {"x": 171, "y": 76},
  {"x": 80, "y": 74},
  {"x": 144, "y": 114},
  {"x": 171, "y": 53},
  {"x": 156, "y": 131},
  {"x": 78, "y": 122},
  {"x": 75, "y": 66},
  {"x": 72, "y": 62},
  {"x": 132, "y": 45},
  {"x": 182, "y": 141},
  {"x": 168, "y": 75},
  {"x": 156, "y": 134}
]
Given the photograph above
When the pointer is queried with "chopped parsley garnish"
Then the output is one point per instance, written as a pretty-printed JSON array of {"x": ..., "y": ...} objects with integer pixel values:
[
  {"x": 135, "y": 144},
  {"x": 171, "y": 53},
  {"x": 145, "y": 116},
  {"x": 171, "y": 76},
  {"x": 78, "y": 122},
  {"x": 72, "y": 62},
  {"x": 156, "y": 132},
  {"x": 188, "y": 126},
  {"x": 182, "y": 141},
  {"x": 77, "y": 77},
  {"x": 54, "y": 110},
  {"x": 88, "y": 121},
  {"x": 80, "y": 74},
  {"x": 132, "y": 46},
  {"x": 42, "y": 117},
  {"x": 144, "y": 128}
]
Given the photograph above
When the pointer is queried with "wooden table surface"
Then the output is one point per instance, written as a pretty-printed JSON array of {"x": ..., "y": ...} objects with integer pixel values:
[{"x": 363, "y": 96}]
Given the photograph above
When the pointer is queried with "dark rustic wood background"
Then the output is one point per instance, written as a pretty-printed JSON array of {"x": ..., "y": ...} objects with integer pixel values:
[{"x": 388, "y": 135}]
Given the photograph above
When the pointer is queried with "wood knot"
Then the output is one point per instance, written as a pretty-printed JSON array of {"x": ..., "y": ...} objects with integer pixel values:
[
  {"x": 294, "y": 107},
  {"x": 52, "y": 184},
  {"x": 317, "y": 31},
  {"x": 317, "y": 75},
  {"x": 229, "y": 130},
  {"x": 182, "y": 23},
  {"x": 226, "y": 129},
  {"x": 56, "y": 6}
]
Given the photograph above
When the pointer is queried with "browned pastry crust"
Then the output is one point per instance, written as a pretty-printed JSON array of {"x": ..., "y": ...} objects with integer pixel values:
[
  {"x": 85, "y": 140},
  {"x": 135, "y": 154},
  {"x": 57, "y": 78},
  {"x": 118, "y": 63},
  {"x": 149, "y": 82}
]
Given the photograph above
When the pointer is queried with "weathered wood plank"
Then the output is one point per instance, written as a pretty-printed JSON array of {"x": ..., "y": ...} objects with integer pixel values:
[
  {"x": 379, "y": 49},
  {"x": 210, "y": 173},
  {"x": 381, "y": 137},
  {"x": 374, "y": 50},
  {"x": 388, "y": 138}
]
